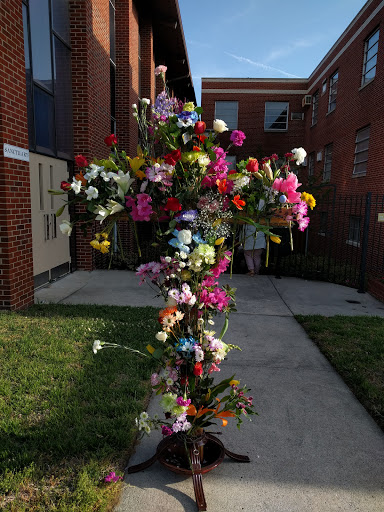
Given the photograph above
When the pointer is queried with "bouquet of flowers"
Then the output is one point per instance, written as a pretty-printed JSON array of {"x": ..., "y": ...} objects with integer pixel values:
[{"x": 191, "y": 188}]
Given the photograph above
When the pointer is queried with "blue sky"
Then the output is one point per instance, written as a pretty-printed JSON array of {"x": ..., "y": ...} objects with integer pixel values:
[{"x": 261, "y": 38}]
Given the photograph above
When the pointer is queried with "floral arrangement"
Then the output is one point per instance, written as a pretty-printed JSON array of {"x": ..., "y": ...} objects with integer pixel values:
[{"x": 191, "y": 188}]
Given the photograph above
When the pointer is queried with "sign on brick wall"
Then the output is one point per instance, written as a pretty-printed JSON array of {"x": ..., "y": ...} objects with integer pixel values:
[
  {"x": 16, "y": 153},
  {"x": 380, "y": 217}
]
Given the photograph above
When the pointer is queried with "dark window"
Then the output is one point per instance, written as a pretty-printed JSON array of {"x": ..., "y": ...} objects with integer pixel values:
[
  {"x": 361, "y": 151},
  {"x": 48, "y": 77},
  {"x": 333, "y": 81},
  {"x": 370, "y": 57},
  {"x": 315, "y": 107},
  {"x": 354, "y": 229},
  {"x": 60, "y": 19},
  {"x": 227, "y": 111},
  {"x": 276, "y": 116},
  {"x": 44, "y": 120},
  {"x": 311, "y": 164},
  {"x": 327, "y": 162}
]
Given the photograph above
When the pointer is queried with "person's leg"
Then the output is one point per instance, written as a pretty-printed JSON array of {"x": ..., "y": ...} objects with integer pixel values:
[
  {"x": 257, "y": 260},
  {"x": 249, "y": 261}
]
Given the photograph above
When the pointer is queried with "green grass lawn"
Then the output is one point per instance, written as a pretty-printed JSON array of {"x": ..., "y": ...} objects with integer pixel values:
[
  {"x": 66, "y": 414},
  {"x": 355, "y": 347}
]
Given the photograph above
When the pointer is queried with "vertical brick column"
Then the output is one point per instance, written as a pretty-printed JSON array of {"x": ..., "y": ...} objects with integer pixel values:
[
  {"x": 127, "y": 74},
  {"x": 91, "y": 93},
  {"x": 147, "y": 60},
  {"x": 16, "y": 260}
]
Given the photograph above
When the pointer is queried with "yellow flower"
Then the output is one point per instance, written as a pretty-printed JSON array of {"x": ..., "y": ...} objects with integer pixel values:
[
  {"x": 219, "y": 241},
  {"x": 150, "y": 349},
  {"x": 234, "y": 383},
  {"x": 189, "y": 107},
  {"x": 103, "y": 249},
  {"x": 185, "y": 275},
  {"x": 216, "y": 223},
  {"x": 104, "y": 235},
  {"x": 95, "y": 244},
  {"x": 309, "y": 199},
  {"x": 136, "y": 162},
  {"x": 275, "y": 239},
  {"x": 140, "y": 174}
]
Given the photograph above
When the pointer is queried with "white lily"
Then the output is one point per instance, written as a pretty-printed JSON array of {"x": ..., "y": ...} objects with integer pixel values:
[
  {"x": 92, "y": 193},
  {"x": 76, "y": 186},
  {"x": 102, "y": 213},
  {"x": 66, "y": 227},
  {"x": 123, "y": 181},
  {"x": 97, "y": 345},
  {"x": 114, "y": 206}
]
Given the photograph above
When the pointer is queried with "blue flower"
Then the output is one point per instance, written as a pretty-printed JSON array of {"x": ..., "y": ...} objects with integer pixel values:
[
  {"x": 186, "y": 345},
  {"x": 198, "y": 239},
  {"x": 188, "y": 116},
  {"x": 187, "y": 216},
  {"x": 174, "y": 242}
]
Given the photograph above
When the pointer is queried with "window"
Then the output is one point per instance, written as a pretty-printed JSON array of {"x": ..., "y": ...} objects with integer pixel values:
[
  {"x": 370, "y": 57},
  {"x": 315, "y": 107},
  {"x": 228, "y": 112},
  {"x": 333, "y": 91},
  {"x": 276, "y": 116},
  {"x": 297, "y": 116},
  {"x": 354, "y": 230},
  {"x": 323, "y": 223},
  {"x": 361, "y": 151},
  {"x": 48, "y": 77},
  {"x": 324, "y": 87},
  {"x": 232, "y": 162},
  {"x": 311, "y": 164},
  {"x": 327, "y": 162}
]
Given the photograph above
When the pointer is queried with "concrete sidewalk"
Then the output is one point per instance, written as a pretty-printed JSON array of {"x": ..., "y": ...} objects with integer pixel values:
[{"x": 313, "y": 447}]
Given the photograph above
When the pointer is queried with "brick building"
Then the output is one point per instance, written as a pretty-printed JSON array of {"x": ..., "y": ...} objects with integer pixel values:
[
  {"x": 337, "y": 115},
  {"x": 69, "y": 72}
]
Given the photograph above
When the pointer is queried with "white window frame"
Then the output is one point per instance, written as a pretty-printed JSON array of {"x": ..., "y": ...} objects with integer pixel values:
[
  {"x": 327, "y": 169},
  {"x": 333, "y": 81},
  {"x": 268, "y": 129},
  {"x": 315, "y": 107},
  {"x": 361, "y": 151},
  {"x": 368, "y": 58},
  {"x": 219, "y": 114}
]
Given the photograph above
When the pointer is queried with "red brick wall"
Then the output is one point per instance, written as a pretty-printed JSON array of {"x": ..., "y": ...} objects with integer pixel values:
[
  {"x": 16, "y": 262},
  {"x": 91, "y": 93}
]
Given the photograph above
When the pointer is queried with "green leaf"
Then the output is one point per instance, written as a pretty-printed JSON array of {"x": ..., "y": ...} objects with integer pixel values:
[
  {"x": 110, "y": 164},
  {"x": 199, "y": 110},
  {"x": 56, "y": 192},
  {"x": 158, "y": 353},
  {"x": 60, "y": 210}
]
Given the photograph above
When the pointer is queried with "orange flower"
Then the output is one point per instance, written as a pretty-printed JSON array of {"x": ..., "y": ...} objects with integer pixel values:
[
  {"x": 222, "y": 186},
  {"x": 81, "y": 178},
  {"x": 239, "y": 203},
  {"x": 196, "y": 148},
  {"x": 167, "y": 312}
]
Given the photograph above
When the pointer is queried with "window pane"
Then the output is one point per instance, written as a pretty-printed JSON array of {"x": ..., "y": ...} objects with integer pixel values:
[
  {"x": 373, "y": 39},
  {"x": 41, "y": 42},
  {"x": 63, "y": 98},
  {"x": 276, "y": 115},
  {"x": 370, "y": 74},
  {"x": 361, "y": 157},
  {"x": 372, "y": 51},
  {"x": 363, "y": 134},
  {"x": 60, "y": 18},
  {"x": 227, "y": 111},
  {"x": 361, "y": 167},
  {"x": 28, "y": 78},
  {"x": 44, "y": 119}
]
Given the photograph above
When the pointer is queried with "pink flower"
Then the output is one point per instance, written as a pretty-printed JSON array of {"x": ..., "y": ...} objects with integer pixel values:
[
  {"x": 301, "y": 208},
  {"x": 166, "y": 431},
  {"x": 214, "y": 368},
  {"x": 237, "y": 137},
  {"x": 303, "y": 223},
  {"x": 160, "y": 69},
  {"x": 112, "y": 477}
]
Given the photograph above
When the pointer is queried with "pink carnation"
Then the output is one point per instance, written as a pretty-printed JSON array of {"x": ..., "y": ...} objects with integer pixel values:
[
  {"x": 237, "y": 137},
  {"x": 160, "y": 69}
]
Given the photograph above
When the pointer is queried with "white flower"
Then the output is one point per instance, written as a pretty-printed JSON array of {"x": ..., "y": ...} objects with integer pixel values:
[
  {"x": 268, "y": 171},
  {"x": 147, "y": 429},
  {"x": 114, "y": 206},
  {"x": 185, "y": 236},
  {"x": 94, "y": 172},
  {"x": 146, "y": 101},
  {"x": 211, "y": 322},
  {"x": 203, "y": 160},
  {"x": 168, "y": 259},
  {"x": 102, "y": 213},
  {"x": 169, "y": 382},
  {"x": 181, "y": 264},
  {"x": 76, "y": 186},
  {"x": 123, "y": 181},
  {"x": 199, "y": 353},
  {"x": 220, "y": 126},
  {"x": 200, "y": 321},
  {"x": 299, "y": 155},
  {"x": 135, "y": 114},
  {"x": 97, "y": 345},
  {"x": 172, "y": 276},
  {"x": 183, "y": 255},
  {"x": 134, "y": 106},
  {"x": 66, "y": 227},
  {"x": 161, "y": 336},
  {"x": 143, "y": 186},
  {"x": 92, "y": 193},
  {"x": 144, "y": 415}
]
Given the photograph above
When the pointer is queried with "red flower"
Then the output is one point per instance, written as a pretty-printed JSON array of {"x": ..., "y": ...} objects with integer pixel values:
[
  {"x": 202, "y": 138},
  {"x": 81, "y": 161},
  {"x": 252, "y": 165},
  {"x": 289, "y": 155},
  {"x": 200, "y": 127},
  {"x": 65, "y": 186},
  {"x": 232, "y": 171},
  {"x": 196, "y": 148},
  {"x": 81, "y": 178},
  {"x": 222, "y": 186},
  {"x": 239, "y": 203},
  {"x": 198, "y": 369},
  {"x": 274, "y": 156},
  {"x": 173, "y": 204},
  {"x": 110, "y": 140},
  {"x": 173, "y": 158}
]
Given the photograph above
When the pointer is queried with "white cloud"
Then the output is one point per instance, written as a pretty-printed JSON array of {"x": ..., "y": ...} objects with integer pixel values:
[
  {"x": 261, "y": 65},
  {"x": 288, "y": 49}
]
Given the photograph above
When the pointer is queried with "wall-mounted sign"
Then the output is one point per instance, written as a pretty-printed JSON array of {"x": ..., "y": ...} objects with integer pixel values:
[
  {"x": 380, "y": 217},
  {"x": 16, "y": 153}
]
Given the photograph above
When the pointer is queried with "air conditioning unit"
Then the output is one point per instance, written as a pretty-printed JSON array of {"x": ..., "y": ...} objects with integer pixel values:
[{"x": 306, "y": 101}]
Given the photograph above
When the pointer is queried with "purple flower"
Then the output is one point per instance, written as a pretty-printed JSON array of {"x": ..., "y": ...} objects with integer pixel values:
[
  {"x": 166, "y": 431},
  {"x": 112, "y": 477},
  {"x": 187, "y": 216},
  {"x": 237, "y": 137}
]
